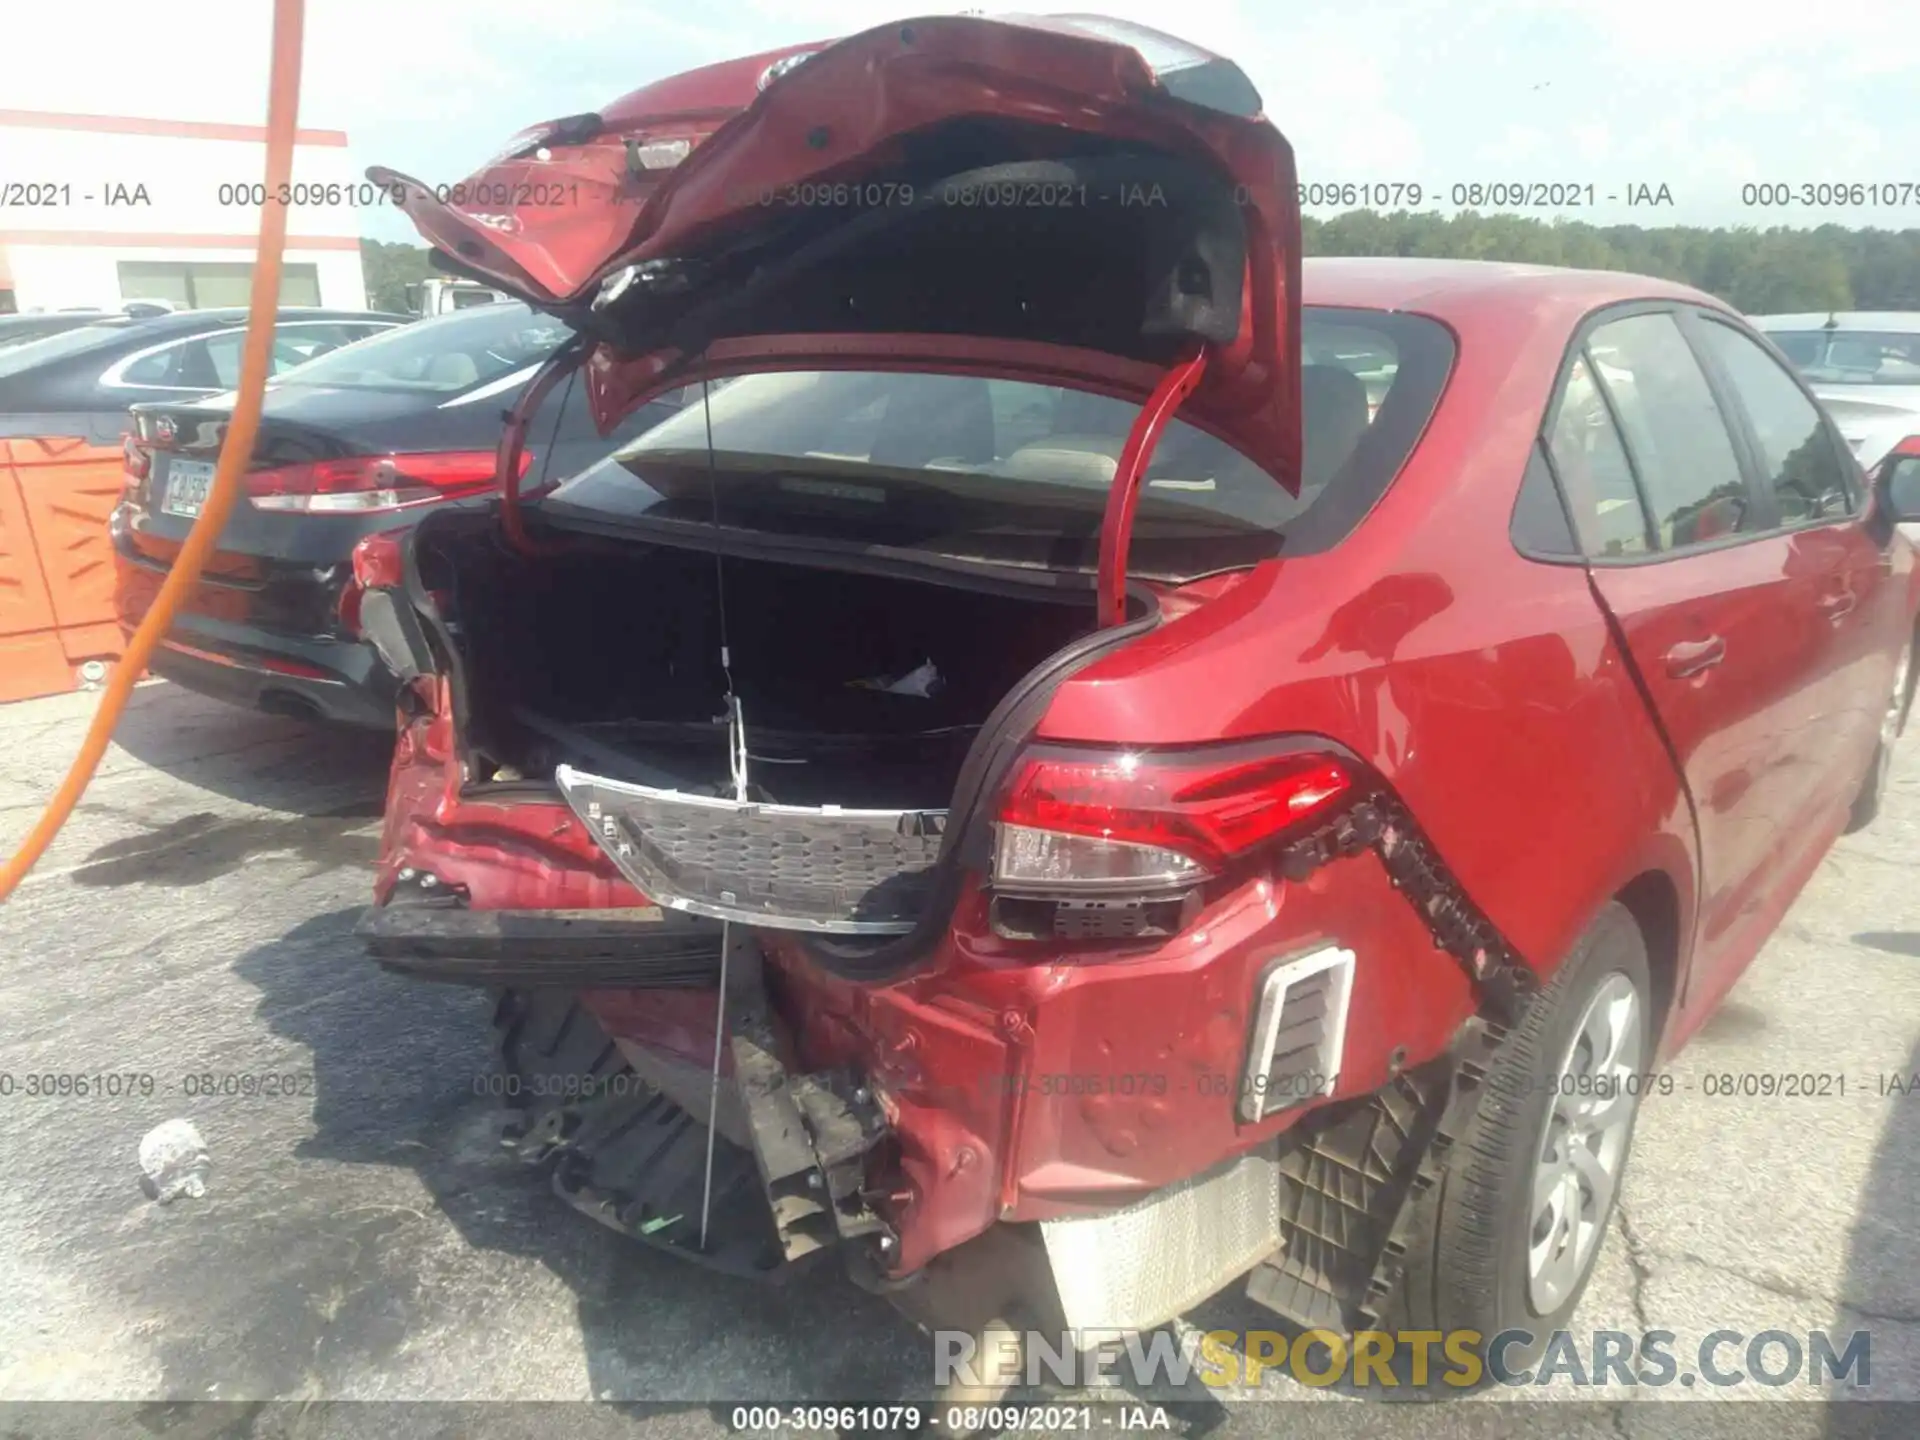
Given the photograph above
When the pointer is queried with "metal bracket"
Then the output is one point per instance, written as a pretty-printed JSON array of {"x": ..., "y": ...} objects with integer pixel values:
[
  {"x": 1504, "y": 983},
  {"x": 1356, "y": 1181},
  {"x": 810, "y": 1135}
]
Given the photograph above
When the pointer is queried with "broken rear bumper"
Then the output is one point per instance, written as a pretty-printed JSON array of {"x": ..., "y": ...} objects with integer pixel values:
[
  {"x": 565, "y": 949},
  {"x": 1019, "y": 1081}
]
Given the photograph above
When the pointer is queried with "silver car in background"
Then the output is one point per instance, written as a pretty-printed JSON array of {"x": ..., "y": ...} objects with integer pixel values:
[{"x": 1865, "y": 367}]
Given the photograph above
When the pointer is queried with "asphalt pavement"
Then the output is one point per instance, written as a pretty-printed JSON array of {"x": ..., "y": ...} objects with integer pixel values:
[{"x": 364, "y": 1238}]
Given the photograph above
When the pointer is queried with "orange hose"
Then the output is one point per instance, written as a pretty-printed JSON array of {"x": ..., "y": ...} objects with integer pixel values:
[{"x": 283, "y": 106}]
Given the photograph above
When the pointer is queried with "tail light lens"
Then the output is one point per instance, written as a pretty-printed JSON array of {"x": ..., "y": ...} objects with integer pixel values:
[
  {"x": 361, "y": 484},
  {"x": 139, "y": 463},
  {"x": 1140, "y": 823}
]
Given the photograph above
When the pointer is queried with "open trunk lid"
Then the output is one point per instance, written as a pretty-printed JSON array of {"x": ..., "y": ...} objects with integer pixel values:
[
  {"x": 1070, "y": 198},
  {"x": 1079, "y": 203}
]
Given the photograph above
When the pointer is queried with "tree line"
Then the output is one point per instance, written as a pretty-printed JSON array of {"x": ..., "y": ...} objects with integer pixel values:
[
  {"x": 1758, "y": 271},
  {"x": 388, "y": 268}
]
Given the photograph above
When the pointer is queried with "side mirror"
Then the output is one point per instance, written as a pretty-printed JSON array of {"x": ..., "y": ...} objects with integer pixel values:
[{"x": 1901, "y": 480}]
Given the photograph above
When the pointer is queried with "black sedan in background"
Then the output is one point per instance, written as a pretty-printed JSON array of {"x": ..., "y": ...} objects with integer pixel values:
[
  {"x": 364, "y": 439},
  {"x": 19, "y": 329},
  {"x": 80, "y": 381}
]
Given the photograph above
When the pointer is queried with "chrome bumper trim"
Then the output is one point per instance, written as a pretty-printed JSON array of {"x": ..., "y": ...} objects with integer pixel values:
[{"x": 784, "y": 867}]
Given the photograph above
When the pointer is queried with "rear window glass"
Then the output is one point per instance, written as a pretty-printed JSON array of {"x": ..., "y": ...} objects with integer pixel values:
[
  {"x": 18, "y": 359},
  {"x": 1012, "y": 471},
  {"x": 443, "y": 355},
  {"x": 1852, "y": 357},
  {"x": 24, "y": 329}
]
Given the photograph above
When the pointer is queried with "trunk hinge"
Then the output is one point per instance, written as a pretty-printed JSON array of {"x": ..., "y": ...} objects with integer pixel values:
[
  {"x": 513, "y": 439},
  {"x": 1116, "y": 526}
]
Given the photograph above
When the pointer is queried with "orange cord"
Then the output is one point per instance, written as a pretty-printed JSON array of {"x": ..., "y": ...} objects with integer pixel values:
[{"x": 283, "y": 106}]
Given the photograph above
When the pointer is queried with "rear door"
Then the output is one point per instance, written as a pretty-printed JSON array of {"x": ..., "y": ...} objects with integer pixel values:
[
  {"x": 1703, "y": 596},
  {"x": 1843, "y": 575}
]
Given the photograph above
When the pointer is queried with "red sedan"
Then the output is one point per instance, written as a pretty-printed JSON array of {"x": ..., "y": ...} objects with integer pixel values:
[{"x": 1092, "y": 759}]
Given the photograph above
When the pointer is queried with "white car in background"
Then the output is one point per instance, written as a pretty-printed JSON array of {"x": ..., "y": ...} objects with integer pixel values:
[{"x": 1865, "y": 367}]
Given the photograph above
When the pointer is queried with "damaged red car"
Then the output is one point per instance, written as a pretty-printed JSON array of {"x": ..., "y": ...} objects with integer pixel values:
[{"x": 1093, "y": 761}]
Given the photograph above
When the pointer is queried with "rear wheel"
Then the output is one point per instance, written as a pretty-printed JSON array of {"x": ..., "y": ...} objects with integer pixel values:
[
  {"x": 1893, "y": 721},
  {"x": 1508, "y": 1239}
]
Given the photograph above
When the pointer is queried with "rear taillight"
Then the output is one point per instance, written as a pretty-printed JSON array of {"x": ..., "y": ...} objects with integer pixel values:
[
  {"x": 139, "y": 462},
  {"x": 1122, "y": 823},
  {"x": 360, "y": 484}
]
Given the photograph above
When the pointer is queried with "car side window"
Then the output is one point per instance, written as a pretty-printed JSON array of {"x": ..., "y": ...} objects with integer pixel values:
[
  {"x": 163, "y": 367},
  {"x": 1674, "y": 430},
  {"x": 223, "y": 354},
  {"x": 223, "y": 359},
  {"x": 296, "y": 344},
  {"x": 1802, "y": 466},
  {"x": 1539, "y": 525},
  {"x": 213, "y": 362},
  {"x": 1591, "y": 463}
]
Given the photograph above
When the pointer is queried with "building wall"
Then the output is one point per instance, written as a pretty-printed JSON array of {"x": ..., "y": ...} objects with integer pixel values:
[
  {"x": 80, "y": 193},
  {"x": 54, "y": 277}
]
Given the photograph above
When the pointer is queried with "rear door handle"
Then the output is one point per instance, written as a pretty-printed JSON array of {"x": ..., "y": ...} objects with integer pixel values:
[{"x": 1692, "y": 656}]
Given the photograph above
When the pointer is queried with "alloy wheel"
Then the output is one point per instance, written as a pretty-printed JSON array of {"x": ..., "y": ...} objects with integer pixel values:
[{"x": 1595, "y": 1094}]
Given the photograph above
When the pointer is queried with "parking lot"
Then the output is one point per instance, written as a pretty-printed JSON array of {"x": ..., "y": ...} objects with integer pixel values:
[{"x": 364, "y": 1238}]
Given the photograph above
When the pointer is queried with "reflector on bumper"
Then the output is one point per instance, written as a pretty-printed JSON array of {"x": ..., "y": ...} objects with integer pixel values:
[{"x": 786, "y": 867}]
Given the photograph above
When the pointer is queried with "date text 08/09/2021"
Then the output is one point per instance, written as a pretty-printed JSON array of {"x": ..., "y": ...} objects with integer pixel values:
[
  {"x": 1045, "y": 1419},
  {"x": 50, "y": 192},
  {"x": 1066, "y": 193},
  {"x": 110, "y": 1085}
]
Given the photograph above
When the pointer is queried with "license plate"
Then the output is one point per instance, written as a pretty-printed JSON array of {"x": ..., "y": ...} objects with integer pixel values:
[{"x": 187, "y": 484}]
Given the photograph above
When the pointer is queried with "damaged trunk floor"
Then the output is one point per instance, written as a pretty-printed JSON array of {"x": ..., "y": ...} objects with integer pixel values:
[{"x": 366, "y": 1236}]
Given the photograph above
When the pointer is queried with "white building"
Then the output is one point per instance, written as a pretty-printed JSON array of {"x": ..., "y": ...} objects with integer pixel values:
[{"x": 96, "y": 210}]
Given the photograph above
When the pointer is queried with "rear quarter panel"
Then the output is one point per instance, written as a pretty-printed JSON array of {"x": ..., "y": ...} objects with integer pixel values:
[{"x": 1484, "y": 687}]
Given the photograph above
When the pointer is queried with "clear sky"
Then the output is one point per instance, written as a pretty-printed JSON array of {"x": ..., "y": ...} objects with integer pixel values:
[{"x": 1702, "y": 96}]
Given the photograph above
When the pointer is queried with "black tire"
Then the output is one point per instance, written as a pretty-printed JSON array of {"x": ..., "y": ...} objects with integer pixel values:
[
  {"x": 1873, "y": 790},
  {"x": 1467, "y": 1266}
]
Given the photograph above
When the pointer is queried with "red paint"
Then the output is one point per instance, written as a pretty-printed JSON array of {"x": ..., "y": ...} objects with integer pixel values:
[
  {"x": 1494, "y": 694},
  {"x": 379, "y": 562},
  {"x": 1116, "y": 526},
  {"x": 511, "y": 457},
  {"x": 865, "y": 95}
]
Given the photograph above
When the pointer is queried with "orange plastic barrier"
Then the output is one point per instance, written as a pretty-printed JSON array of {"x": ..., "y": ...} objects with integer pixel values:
[{"x": 56, "y": 563}]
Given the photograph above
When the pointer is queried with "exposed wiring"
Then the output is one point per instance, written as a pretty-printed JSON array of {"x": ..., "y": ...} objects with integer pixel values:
[{"x": 283, "y": 106}]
